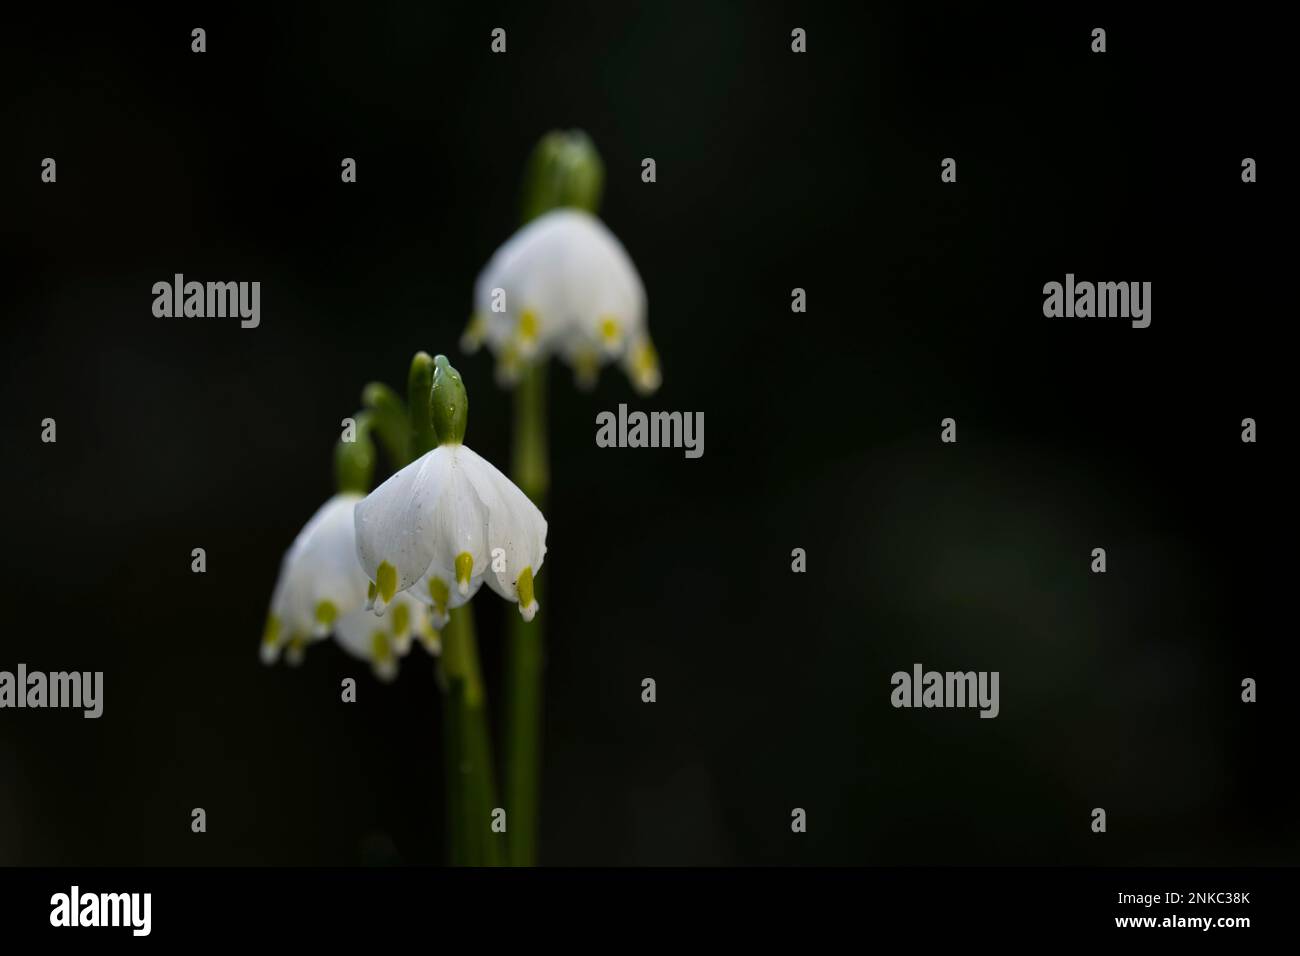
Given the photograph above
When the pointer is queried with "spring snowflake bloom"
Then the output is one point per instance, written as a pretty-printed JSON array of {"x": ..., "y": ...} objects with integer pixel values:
[
  {"x": 563, "y": 285},
  {"x": 322, "y": 590},
  {"x": 450, "y": 521}
]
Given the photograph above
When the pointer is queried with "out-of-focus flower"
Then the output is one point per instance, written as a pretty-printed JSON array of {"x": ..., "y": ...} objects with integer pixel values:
[
  {"x": 563, "y": 285},
  {"x": 320, "y": 581},
  {"x": 322, "y": 590},
  {"x": 381, "y": 641}
]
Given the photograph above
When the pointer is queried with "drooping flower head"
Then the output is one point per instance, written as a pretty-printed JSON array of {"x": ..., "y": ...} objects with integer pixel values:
[
  {"x": 319, "y": 581},
  {"x": 563, "y": 284},
  {"x": 449, "y": 521},
  {"x": 322, "y": 590}
]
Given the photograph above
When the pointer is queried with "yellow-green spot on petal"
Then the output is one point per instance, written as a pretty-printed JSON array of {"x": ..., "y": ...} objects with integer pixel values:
[
  {"x": 528, "y": 325},
  {"x": 272, "y": 633},
  {"x": 464, "y": 568},
  {"x": 508, "y": 365},
  {"x": 440, "y": 593},
  {"x": 386, "y": 581},
  {"x": 525, "y": 587},
  {"x": 326, "y": 613},
  {"x": 381, "y": 649},
  {"x": 645, "y": 361},
  {"x": 586, "y": 367},
  {"x": 401, "y": 619},
  {"x": 643, "y": 367},
  {"x": 476, "y": 328},
  {"x": 371, "y": 593},
  {"x": 608, "y": 328}
]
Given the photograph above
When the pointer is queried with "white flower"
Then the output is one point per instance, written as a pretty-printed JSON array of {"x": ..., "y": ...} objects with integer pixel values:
[
  {"x": 383, "y": 641},
  {"x": 442, "y": 526},
  {"x": 322, "y": 589},
  {"x": 320, "y": 581},
  {"x": 563, "y": 285}
]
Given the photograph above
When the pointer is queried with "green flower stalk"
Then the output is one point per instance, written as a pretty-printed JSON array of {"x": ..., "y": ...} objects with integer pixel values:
[
  {"x": 562, "y": 286},
  {"x": 525, "y": 648},
  {"x": 471, "y": 783},
  {"x": 419, "y": 390},
  {"x": 389, "y": 422},
  {"x": 440, "y": 528},
  {"x": 354, "y": 458}
]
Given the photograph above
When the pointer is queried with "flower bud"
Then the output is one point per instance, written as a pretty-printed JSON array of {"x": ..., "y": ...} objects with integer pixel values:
[{"x": 563, "y": 170}]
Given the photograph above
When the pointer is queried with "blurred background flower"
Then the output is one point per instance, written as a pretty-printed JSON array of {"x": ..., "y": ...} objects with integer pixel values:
[{"x": 563, "y": 286}]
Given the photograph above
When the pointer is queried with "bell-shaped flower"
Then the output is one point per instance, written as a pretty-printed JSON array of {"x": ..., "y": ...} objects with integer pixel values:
[
  {"x": 320, "y": 581},
  {"x": 450, "y": 521},
  {"x": 563, "y": 285},
  {"x": 322, "y": 590}
]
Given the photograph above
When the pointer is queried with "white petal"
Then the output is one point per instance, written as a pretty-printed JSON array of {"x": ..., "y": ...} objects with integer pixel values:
[
  {"x": 356, "y": 633},
  {"x": 270, "y": 652},
  {"x": 381, "y": 641},
  {"x": 395, "y": 524},
  {"x": 319, "y": 572},
  {"x": 461, "y": 530},
  {"x": 515, "y": 526},
  {"x": 460, "y": 524}
]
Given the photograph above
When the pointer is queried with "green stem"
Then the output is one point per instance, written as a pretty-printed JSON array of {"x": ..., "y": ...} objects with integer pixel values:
[
  {"x": 354, "y": 461},
  {"x": 419, "y": 395},
  {"x": 529, "y": 460},
  {"x": 470, "y": 778},
  {"x": 452, "y": 719},
  {"x": 390, "y": 422},
  {"x": 525, "y": 649},
  {"x": 564, "y": 170}
]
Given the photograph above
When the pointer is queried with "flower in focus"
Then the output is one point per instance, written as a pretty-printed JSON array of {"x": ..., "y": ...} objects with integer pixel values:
[
  {"x": 442, "y": 526},
  {"x": 563, "y": 285},
  {"x": 448, "y": 522}
]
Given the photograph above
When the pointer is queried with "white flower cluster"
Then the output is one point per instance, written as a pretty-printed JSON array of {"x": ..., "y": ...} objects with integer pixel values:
[{"x": 380, "y": 570}]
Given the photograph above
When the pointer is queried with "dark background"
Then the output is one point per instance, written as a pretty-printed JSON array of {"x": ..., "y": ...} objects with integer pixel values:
[{"x": 822, "y": 430}]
